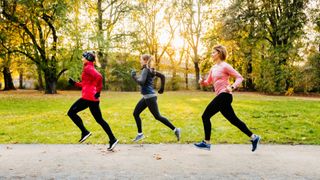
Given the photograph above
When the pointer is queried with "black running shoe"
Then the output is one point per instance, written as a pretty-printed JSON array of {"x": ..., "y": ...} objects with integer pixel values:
[
  {"x": 84, "y": 136},
  {"x": 113, "y": 144}
]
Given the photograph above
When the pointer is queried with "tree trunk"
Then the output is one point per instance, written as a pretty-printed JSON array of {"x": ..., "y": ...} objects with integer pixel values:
[
  {"x": 21, "y": 79},
  {"x": 250, "y": 85},
  {"x": 102, "y": 71},
  {"x": 186, "y": 74},
  {"x": 103, "y": 62},
  {"x": 103, "y": 58},
  {"x": 197, "y": 69},
  {"x": 40, "y": 80},
  {"x": 8, "y": 83},
  {"x": 51, "y": 87},
  {"x": 157, "y": 68},
  {"x": 51, "y": 82},
  {"x": 173, "y": 80},
  {"x": 248, "y": 79},
  {"x": 249, "y": 72}
]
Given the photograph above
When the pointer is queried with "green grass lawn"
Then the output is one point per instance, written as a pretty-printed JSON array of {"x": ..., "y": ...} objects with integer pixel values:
[{"x": 32, "y": 117}]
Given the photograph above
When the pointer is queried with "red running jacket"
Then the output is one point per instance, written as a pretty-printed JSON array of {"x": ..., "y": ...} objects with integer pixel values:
[{"x": 91, "y": 82}]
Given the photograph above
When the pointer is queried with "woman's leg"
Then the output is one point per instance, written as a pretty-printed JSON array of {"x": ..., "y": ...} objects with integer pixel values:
[
  {"x": 78, "y": 106},
  {"x": 153, "y": 107},
  {"x": 141, "y": 105},
  {"x": 228, "y": 112},
  {"x": 96, "y": 112},
  {"x": 213, "y": 107}
]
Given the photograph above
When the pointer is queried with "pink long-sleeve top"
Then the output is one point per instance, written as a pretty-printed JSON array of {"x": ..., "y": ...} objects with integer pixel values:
[{"x": 219, "y": 76}]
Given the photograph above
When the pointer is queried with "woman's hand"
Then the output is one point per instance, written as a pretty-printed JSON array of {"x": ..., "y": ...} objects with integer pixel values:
[
  {"x": 97, "y": 95},
  {"x": 133, "y": 73},
  {"x": 230, "y": 88},
  {"x": 160, "y": 91},
  {"x": 71, "y": 82},
  {"x": 201, "y": 81}
]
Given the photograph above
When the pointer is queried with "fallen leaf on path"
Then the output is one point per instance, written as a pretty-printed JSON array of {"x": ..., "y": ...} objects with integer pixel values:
[{"x": 157, "y": 156}]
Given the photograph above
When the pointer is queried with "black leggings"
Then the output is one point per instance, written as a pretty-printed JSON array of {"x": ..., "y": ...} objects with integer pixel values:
[
  {"x": 152, "y": 104},
  {"x": 82, "y": 104},
  {"x": 222, "y": 103}
]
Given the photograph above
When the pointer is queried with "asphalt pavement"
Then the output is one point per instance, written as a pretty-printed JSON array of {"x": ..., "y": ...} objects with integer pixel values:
[{"x": 158, "y": 161}]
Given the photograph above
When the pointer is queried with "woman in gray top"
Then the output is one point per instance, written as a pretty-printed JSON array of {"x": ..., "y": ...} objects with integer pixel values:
[{"x": 149, "y": 98}]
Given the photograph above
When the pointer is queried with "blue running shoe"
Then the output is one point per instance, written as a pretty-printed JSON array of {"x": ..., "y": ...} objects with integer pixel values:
[
  {"x": 255, "y": 141},
  {"x": 138, "y": 138},
  {"x": 203, "y": 145}
]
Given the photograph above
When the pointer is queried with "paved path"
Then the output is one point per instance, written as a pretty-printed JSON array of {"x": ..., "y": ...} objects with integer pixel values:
[{"x": 158, "y": 161}]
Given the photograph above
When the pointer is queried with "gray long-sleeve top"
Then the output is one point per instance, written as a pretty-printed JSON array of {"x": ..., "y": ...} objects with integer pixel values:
[{"x": 146, "y": 80}]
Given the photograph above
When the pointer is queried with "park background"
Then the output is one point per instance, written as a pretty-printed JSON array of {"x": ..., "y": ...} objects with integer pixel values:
[{"x": 275, "y": 45}]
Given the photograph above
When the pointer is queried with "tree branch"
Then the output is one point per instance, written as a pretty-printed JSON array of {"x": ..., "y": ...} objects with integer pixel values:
[
  {"x": 61, "y": 72},
  {"x": 14, "y": 19}
]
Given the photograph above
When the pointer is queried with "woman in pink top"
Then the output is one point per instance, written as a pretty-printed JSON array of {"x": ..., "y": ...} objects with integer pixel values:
[{"x": 219, "y": 78}]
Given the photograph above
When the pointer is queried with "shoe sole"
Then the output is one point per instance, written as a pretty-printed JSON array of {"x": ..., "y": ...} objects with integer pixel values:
[
  {"x": 86, "y": 137},
  {"x": 208, "y": 149},
  {"x": 138, "y": 139},
  {"x": 257, "y": 144},
  {"x": 113, "y": 145}
]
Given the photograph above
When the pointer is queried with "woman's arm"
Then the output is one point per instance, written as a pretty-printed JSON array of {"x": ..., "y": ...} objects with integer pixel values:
[
  {"x": 78, "y": 84},
  {"x": 208, "y": 81},
  {"x": 74, "y": 83},
  {"x": 142, "y": 79},
  {"x": 232, "y": 72},
  {"x": 163, "y": 80}
]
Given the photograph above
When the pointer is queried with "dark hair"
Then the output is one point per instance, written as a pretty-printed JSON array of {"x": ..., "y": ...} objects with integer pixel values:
[{"x": 90, "y": 56}]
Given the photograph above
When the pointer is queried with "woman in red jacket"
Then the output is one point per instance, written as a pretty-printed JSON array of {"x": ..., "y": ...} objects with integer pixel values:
[{"x": 91, "y": 85}]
